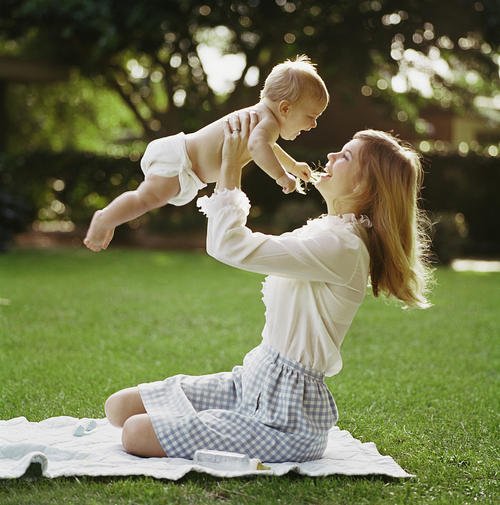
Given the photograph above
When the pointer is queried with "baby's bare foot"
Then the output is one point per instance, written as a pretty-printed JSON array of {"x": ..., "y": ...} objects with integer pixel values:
[{"x": 98, "y": 236}]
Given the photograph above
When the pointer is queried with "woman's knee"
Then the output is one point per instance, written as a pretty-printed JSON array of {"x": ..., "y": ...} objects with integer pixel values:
[
  {"x": 112, "y": 409},
  {"x": 131, "y": 434},
  {"x": 123, "y": 404},
  {"x": 139, "y": 438}
]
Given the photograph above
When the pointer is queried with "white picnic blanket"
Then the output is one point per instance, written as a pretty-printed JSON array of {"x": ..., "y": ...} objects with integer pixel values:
[{"x": 67, "y": 446}]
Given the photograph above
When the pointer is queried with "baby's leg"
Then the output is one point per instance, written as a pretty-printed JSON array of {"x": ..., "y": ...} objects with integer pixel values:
[
  {"x": 157, "y": 190},
  {"x": 122, "y": 405},
  {"x": 98, "y": 235},
  {"x": 154, "y": 192}
]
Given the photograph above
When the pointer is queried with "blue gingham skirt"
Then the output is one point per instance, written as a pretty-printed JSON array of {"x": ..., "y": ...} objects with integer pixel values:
[{"x": 271, "y": 408}]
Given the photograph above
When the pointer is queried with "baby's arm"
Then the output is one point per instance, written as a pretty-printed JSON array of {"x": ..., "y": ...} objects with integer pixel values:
[
  {"x": 154, "y": 192},
  {"x": 260, "y": 147},
  {"x": 298, "y": 168}
]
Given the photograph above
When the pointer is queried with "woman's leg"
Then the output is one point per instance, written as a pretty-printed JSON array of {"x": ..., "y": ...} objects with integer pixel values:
[
  {"x": 122, "y": 405},
  {"x": 139, "y": 437},
  {"x": 125, "y": 409}
]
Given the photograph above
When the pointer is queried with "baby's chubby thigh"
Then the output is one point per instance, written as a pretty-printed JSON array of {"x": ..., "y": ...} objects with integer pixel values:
[
  {"x": 164, "y": 159},
  {"x": 157, "y": 190}
]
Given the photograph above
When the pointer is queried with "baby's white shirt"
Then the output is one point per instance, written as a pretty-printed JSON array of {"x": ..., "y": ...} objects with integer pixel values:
[{"x": 316, "y": 276}]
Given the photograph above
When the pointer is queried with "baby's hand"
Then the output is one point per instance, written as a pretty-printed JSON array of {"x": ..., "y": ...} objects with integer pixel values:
[
  {"x": 98, "y": 237},
  {"x": 287, "y": 182},
  {"x": 302, "y": 170}
]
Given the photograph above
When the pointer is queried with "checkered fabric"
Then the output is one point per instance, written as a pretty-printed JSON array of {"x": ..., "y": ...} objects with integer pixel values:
[{"x": 270, "y": 408}]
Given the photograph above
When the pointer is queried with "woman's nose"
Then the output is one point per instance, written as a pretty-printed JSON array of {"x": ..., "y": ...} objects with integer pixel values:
[{"x": 331, "y": 156}]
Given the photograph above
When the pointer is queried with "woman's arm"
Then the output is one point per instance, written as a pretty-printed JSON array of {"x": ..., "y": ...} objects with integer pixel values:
[
  {"x": 328, "y": 256},
  {"x": 237, "y": 129},
  {"x": 324, "y": 256}
]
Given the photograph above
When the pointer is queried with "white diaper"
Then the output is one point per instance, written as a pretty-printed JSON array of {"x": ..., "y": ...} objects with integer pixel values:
[{"x": 168, "y": 157}]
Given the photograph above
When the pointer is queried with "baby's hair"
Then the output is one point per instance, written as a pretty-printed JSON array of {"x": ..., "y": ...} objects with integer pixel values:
[{"x": 291, "y": 80}]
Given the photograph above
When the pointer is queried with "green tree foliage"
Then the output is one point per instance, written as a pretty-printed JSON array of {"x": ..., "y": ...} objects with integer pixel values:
[
  {"x": 149, "y": 50},
  {"x": 80, "y": 114},
  {"x": 148, "y": 55}
]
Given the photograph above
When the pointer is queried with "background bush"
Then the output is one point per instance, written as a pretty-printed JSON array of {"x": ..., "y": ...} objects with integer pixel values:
[{"x": 459, "y": 193}]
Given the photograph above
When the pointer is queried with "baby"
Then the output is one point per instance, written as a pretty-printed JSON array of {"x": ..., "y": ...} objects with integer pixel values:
[{"x": 177, "y": 167}]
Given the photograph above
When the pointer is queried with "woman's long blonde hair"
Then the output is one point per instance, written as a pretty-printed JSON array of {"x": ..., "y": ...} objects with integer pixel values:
[{"x": 388, "y": 192}]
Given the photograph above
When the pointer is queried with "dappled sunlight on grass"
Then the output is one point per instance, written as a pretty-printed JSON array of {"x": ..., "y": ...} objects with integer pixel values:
[{"x": 419, "y": 384}]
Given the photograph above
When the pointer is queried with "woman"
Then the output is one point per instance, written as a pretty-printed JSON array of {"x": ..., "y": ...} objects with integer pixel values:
[{"x": 276, "y": 406}]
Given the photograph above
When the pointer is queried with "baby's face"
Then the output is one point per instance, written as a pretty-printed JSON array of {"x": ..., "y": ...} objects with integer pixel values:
[{"x": 300, "y": 116}]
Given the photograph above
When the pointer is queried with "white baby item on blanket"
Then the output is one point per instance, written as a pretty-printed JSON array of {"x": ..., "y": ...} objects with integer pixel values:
[
  {"x": 224, "y": 460},
  {"x": 85, "y": 428}
]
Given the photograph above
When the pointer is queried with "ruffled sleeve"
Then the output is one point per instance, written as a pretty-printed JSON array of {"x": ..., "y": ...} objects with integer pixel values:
[{"x": 235, "y": 198}]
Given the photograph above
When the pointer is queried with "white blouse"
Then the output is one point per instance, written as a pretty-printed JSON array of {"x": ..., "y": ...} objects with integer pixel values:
[{"x": 317, "y": 276}]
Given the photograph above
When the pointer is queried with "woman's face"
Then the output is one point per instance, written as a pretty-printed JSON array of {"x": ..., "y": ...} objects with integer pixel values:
[{"x": 341, "y": 173}]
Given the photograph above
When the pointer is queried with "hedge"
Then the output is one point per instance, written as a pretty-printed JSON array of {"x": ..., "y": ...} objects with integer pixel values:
[{"x": 459, "y": 193}]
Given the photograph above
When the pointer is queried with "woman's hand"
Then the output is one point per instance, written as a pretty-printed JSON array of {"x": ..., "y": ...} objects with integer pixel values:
[{"x": 237, "y": 129}]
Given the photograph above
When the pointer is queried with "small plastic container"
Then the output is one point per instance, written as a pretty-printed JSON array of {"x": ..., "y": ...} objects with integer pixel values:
[{"x": 232, "y": 461}]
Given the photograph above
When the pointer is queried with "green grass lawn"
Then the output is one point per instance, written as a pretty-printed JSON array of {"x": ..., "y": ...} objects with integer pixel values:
[{"x": 420, "y": 384}]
